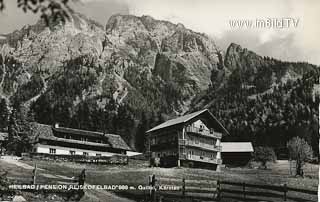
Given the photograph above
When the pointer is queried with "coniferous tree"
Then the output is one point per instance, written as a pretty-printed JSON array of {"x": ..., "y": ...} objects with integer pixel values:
[
  {"x": 4, "y": 115},
  {"x": 141, "y": 133}
]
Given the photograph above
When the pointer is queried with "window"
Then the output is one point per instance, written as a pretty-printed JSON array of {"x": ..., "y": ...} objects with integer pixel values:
[
  {"x": 153, "y": 141},
  {"x": 98, "y": 154},
  {"x": 85, "y": 154},
  {"x": 52, "y": 151},
  {"x": 72, "y": 153},
  {"x": 201, "y": 128}
]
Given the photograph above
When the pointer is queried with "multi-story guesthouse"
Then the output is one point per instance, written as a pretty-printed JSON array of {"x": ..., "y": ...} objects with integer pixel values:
[
  {"x": 67, "y": 141},
  {"x": 192, "y": 140}
]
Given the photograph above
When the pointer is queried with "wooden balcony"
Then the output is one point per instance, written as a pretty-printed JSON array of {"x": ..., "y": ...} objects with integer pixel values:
[
  {"x": 182, "y": 142},
  {"x": 199, "y": 145},
  {"x": 204, "y": 132},
  {"x": 203, "y": 159}
]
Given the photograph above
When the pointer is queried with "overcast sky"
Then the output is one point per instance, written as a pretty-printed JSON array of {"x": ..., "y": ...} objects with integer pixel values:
[{"x": 300, "y": 43}]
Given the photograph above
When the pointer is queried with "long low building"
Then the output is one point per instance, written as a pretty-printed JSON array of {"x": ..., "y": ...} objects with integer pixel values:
[
  {"x": 236, "y": 153},
  {"x": 68, "y": 141}
]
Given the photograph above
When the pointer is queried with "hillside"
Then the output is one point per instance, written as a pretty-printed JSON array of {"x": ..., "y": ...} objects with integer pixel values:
[
  {"x": 131, "y": 74},
  {"x": 263, "y": 100}
]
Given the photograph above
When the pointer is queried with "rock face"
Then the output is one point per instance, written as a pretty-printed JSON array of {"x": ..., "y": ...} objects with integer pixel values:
[
  {"x": 135, "y": 60},
  {"x": 244, "y": 70}
]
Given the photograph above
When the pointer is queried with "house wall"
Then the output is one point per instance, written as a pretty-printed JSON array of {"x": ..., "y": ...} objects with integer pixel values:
[
  {"x": 236, "y": 158},
  {"x": 39, "y": 148},
  {"x": 164, "y": 142},
  {"x": 197, "y": 153},
  {"x": 202, "y": 141}
]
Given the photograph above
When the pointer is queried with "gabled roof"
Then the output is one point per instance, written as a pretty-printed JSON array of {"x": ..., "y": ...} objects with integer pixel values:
[
  {"x": 236, "y": 147},
  {"x": 117, "y": 142},
  {"x": 184, "y": 119},
  {"x": 47, "y": 132}
]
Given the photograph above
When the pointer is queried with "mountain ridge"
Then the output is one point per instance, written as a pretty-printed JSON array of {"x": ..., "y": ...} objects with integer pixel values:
[{"x": 82, "y": 73}]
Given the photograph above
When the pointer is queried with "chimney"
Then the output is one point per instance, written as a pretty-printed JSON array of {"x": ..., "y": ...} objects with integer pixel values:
[{"x": 56, "y": 125}]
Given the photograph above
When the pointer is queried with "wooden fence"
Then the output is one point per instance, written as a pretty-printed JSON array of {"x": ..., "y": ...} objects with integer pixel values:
[
  {"x": 214, "y": 189},
  {"x": 182, "y": 188},
  {"x": 282, "y": 189}
]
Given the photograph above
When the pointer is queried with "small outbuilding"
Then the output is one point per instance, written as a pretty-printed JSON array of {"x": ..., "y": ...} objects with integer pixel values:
[{"x": 236, "y": 153}]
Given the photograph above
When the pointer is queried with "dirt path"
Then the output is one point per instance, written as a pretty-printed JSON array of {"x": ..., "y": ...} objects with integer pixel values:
[
  {"x": 102, "y": 196},
  {"x": 15, "y": 161}
]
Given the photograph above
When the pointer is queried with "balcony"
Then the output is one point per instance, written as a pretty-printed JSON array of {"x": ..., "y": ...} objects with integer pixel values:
[
  {"x": 199, "y": 145},
  {"x": 204, "y": 159},
  {"x": 182, "y": 142},
  {"x": 204, "y": 132}
]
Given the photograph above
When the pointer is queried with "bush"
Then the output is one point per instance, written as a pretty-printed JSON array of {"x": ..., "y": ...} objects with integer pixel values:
[{"x": 264, "y": 155}]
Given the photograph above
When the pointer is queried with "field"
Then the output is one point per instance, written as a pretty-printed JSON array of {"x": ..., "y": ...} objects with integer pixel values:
[{"x": 137, "y": 172}]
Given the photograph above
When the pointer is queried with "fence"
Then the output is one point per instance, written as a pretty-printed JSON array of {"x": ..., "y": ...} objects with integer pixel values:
[
  {"x": 182, "y": 188},
  {"x": 282, "y": 189},
  {"x": 213, "y": 189}
]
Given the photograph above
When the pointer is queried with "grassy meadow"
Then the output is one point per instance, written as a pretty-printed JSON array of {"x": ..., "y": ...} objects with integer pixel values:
[{"x": 137, "y": 172}]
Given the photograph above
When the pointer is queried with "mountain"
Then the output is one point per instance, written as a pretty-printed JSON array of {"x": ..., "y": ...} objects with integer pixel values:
[
  {"x": 263, "y": 100},
  {"x": 128, "y": 75},
  {"x": 65, "y": 71}
]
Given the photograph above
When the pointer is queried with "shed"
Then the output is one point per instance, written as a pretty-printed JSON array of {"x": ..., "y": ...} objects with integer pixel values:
[{"x": 236, "y": 153}]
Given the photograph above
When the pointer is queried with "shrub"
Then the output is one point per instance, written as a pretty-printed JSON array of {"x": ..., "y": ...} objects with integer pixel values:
[{"x": 264, "y": 155}]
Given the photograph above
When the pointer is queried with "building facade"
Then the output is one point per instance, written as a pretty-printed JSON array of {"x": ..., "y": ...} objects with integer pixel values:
[
  {"x": 67, "y": 141},
  {"x": 192, "y": 140}
]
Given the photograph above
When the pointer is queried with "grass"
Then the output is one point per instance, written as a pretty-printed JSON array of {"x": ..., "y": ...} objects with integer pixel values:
[{"x": 137, "y": 174}]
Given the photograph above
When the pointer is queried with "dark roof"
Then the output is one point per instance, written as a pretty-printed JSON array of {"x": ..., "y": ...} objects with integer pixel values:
[
  {"x": 77, "y": 132},
  {"x": 186, "y": 118},
  {"x": 236, "y": 147},
  {"x": 3, "y": 136},
  {"x": 47, "y": 132},
  {"x": 117, "y": 142}
]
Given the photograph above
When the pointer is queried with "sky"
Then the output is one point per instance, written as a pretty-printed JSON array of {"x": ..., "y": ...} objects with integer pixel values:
[{"x": 297, "y": 42}]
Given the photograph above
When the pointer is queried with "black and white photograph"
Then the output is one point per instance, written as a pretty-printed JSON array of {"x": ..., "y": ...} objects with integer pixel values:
[{"x": 159, "y": 100}]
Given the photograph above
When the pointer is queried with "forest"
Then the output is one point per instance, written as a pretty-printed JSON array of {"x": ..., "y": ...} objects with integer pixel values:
[
  {"x": 269, "y": 117},
  {"x": 254, "y": 110}
]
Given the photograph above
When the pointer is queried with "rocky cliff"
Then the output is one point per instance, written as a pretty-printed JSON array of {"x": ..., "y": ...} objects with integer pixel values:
[{"x": 127, "y": 54}]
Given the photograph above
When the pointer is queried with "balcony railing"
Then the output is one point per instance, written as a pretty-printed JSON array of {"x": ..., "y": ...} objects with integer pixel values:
[
  {"x": 199, "y": 145},
  {"x": 182, "y": 142},
  {"x": 204, "y": 159},
  {"x": 202, "y": 131}
]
